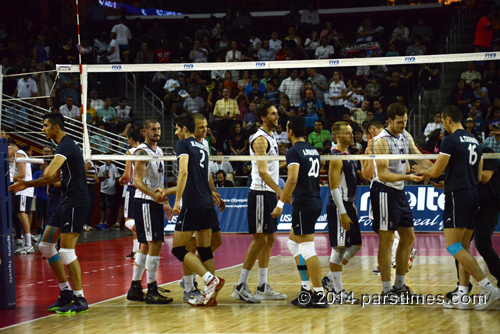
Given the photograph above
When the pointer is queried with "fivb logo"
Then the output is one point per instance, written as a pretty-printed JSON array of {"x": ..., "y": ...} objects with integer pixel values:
[
  {"x": 410, "y": 59},
  {"x": 333, "y": 62},
  {"x": 116, "y": 67},
  {"x": 189, "y": 66},
  {"x": 490, "y": 55},
  {"x": 261, "y": 64}
]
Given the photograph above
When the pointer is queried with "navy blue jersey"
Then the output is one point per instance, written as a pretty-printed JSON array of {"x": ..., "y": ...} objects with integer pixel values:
[
  {"x": 306, "y": 193},
  {"x": 197, "y": 193},
  {"x": 73, "y": 178},
  {"x": 465, "y": 154},
  {"x": 348, "y": 178}
]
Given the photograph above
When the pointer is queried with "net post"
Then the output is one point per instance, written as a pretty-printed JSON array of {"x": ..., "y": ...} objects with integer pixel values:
[{"x": 84, "y": 86}]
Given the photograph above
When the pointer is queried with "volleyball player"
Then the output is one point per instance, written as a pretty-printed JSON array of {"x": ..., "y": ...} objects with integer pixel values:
[
  {"x": 303, "y": 184},
  {"x": 262, "y": 198},
  {"x": 148, "y": 216},
  {"x": 127, "y": 179},
  {"x": 343, "y": 225},
  {"x": 460, "y": 157},
  {"x": 391, "y": 210},
  {"x": 197, "y": 213},
  {"x": 68, "y": 219}
]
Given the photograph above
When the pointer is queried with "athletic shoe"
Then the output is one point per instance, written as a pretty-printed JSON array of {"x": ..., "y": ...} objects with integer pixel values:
[
  {"x": 78, "y": 305},
  {"x": 413, "y": 253},
  {"x": 65, "y": 297},
  {"x": 29, "y": 250},
  {"x": 390, "y": 298},
  {"x": 241, "y": 292},
  {"x": 86, "y": 228},
  {"x": 303, "y": 291},
  {"x": 101, "y": 227},
  {"x": 135, "y": 292},
  {"x": 491, "y": 293},
  {"x": 154, "y": 297},
  {"x": 212, "y": 289},
  {"x": 131, "y": 255},
  {"x": 19, "y": 242},
  {"x": 450, "y": 294},
  {"x": 181, "y": 283},
  {"x": 344, "y": 297},
  {"x": 459, "y": 303},
  {"x": 317, "y": 300},
  {"x": 376, "y": 271},
  {"x": 193, "y": 294},
  {"x": 266, "y": 292},
  {"x": 36, "y": 237},
  {"x": 405, "y": 293},
  {"x": 327, "y": 284},
  {"x": 116, "y": 226},
  {"x": 21, "y": 250}
]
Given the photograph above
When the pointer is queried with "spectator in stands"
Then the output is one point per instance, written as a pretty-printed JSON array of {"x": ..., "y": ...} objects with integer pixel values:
[
  {"x": 229, "y": 83},
  {"x": 181, "y": 54},
  {"x": 421, "y": 145},
  {"x": 359, "y": 114},
  {"x": 422, "y": 31},
  {"x": 194, "y": 103},
  {"x": 293, "y": 87},
  {"x": 108, "y": 175},
  {"x": 296, "y": 51},
  {"x": 285, "y": 110},
  {"x": 430, "y": 127},
  {"x": 319, "y": 84},
  {"x": 354, "y": 96},
  {"x": 479, "y": 125},
  {"x": 222, "y": 46},
  {"x": 144, "y": 56},
  {"x": 254, "y": 40},
  {"x": 311, "y": 44},
  {"x": 255, "y": 94},
  {"x": 416, "y": 49},
  {"x": 470, "y": 74},
  {"x": 221, "y": 165},
  {"x": 266, "y": 52},
  {"x": 124, "y": 112},
  {"x": 100, "y": 141},
  {"x": 238, "y": 145},
  {"x": 400, "y": 34},
  {"x": 225, "y": 112},
  {"x": 430, "y": 79},
  {"x": 311, "y": 109},
  {"x": 272, "y": 94},
  {"x": 281, "y": 136},
  {"x": 250, "y": 118},
  {"x": 365, "y": 32},
  {"x": 156, "y": 32},
  {"x": 101, "y": 45},
  {"x": 469, "y": 127},
  {"x": 68, "y": 53},
  {"x": 275, "y": 42},
  {"x": 26, "y": 86},
  {"x": 292, "y": 19},
  {"x": 434, "y": 142},
  {"x": 95, "y": 101},
  {"x": 107, "y": 114},
  {"x": 198, "y": 54},
  {"x": 310, "y": 17},
  {"x": 41, "y": 51},
  {"x": 70, "y": 110},
  {"x": 493, "y": 141},
  {"x": 480, "y": 93},
  {"x": 484, "y": 30},
  {"x": 292, "y": 37},
  {"x": 346, "y": 117},
  {"x": 373, "y": 90},
  {"x": 337, "y": 93},
  {"x": 234, "y": 54},
  {"x": 122, "y": 37},
  {"x": 397, "y": 88},
  {"x": 249, "y": 54},
  {"x": 461, "y": 97},
  {"x": 69, "y": 86},
  {"x": 220, "y": 180},
  {"x": 112, "y": 54},
  {"x": 91, "y": 112},
  {"x": 324, "y": 51},
  {"x": 496, "y": 116},
  {"x": 393, "y": 52},
  {"x": 358, "y": 138},
  {"x": 319, "y": 135}
]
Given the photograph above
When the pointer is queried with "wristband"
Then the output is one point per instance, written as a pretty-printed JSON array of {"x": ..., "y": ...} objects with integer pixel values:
[
  {"x": 280, "y": 204},
  {"x": 337, "y": 198}
]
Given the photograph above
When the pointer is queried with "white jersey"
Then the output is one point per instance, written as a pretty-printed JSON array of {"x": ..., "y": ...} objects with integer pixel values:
[
  {"x": 272, "y": 166},
  {"x": 397, "y": 145},
  {"x": 27, "y": 176},
  {"x": 153, "y": 177},
  {"x": 131, "y": 179}
]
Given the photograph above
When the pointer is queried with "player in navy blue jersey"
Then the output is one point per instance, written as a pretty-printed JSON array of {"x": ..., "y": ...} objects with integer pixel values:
[
  {"x": 302, "y": 189},
  {"x": 67, "y": 221},
  {"x": 343, "y": 225},
  {"x": 197, "y": 213},
  {"x": 460, "y": 157}
]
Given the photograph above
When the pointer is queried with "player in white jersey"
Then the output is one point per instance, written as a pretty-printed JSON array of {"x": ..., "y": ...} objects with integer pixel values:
[
  {"x": 391, "y": 210},
  {"x": 127, "y": 180},
  {"x": 22, "y": 199},
  {"x": 262, "y": 199},
  {"x": 148, "y": 215}
]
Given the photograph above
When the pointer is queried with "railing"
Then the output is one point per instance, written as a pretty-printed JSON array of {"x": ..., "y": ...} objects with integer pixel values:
[
  {"x": 133, "y": 84},
  {"x": 150, "y": 99}
]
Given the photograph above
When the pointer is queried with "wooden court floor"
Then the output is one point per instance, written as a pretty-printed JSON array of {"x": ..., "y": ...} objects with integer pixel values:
[{"x": 431, "y": 274}]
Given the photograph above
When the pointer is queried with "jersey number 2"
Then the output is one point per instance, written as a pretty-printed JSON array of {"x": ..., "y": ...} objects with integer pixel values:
[
  {"x": 314, "y": 171},
  {"x": 202, "y": 159}
]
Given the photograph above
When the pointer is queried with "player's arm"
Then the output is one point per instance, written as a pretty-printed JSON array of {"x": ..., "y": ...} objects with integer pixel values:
[
  {"x": 215, "y": 195},
  {"x": 128, "y": 168},
  {"x": 50, "y": 175},
  {"x": 139, "y": 172},
  {"x": 480, "y": 171},
  {"x": 21, "y": 169},
  {"x": 435, "y": 170},
  {"x": 260, "y": 147},
  {"x": 426, "y": 163},
  {"x": 368, "y": 166},
  {"x": 181, "y": 181},
  {"x": 334, "y": 173},
  {"x": 381, "y": 147}
]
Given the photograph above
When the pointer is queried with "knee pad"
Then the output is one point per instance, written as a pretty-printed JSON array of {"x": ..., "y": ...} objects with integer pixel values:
[
  {"x": 351, "y": 252},
  {"x": 337, "y": 255},
  {"x": 180, "y": 253},
  {"x": 455, "y": 248},
  {"x": 205, "y": 253},
  {"x": 307, "y": 250},
  {"x": 49, "y": 251},
  {"x": 293, "y": 247},
  {"x": 152, "y": 262},
  {"x": 67, "y": 255},
  {"x": 130, "y": 224},
  {"x": 140, "y": 259}
]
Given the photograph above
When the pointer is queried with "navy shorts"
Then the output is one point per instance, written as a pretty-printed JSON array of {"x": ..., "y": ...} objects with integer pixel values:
[
  {"x": 107, "y": 201},
  {"x": 339, "y": 237},
  {"x": 69, "y": 218},
  {"x": 128, "y": 205},
  {"x": 197, "y": 219},
  {"x": 303, "y": 221},
  {"x": 148, "y": 217},
  {"x": 260, "y": 206},
  {"x": 460, "y": 208},
  {"x": 391, "y": 209},
  {"x": 22, "y": 203}
]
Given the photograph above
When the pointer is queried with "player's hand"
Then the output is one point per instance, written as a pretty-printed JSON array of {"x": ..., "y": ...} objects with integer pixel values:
[
  {"x": 216, "y": 198},
  {"x": 177, "y": 208},
  {"x": 169, "y": 214},
  {"x": 417, "y": 169},
  {"x": 416, "y": 178},
  {"x": 288, "y": 200},
  {"x": 18, "y": 186},
  {"x": 158, "y": 197},
  {"x": 277, "y": 212},
  {"x": 345, "y": 221},
  {"x": 279, "y": 193},
  {"x": 439, "y": 185},
  {"x": 222, "y": 205}
]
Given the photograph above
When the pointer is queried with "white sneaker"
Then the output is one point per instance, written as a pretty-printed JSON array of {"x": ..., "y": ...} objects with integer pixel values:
[
  {"x": 21, "y": 250},
  {"x": 491, "y": 294},
  {"x": 344, "y": 297},
  {"x": 29, "y": 250},
  {"x": 36, "y": 237},
  {"x": 241, "y": 292},
  {"x": 460, "y": 302},
  {"x": 327, "y": 284},
  {"x": 266, "y": 292}
]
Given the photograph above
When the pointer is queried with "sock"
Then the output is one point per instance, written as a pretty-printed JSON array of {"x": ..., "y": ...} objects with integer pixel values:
[
  {"x": 64, "y": 286},
  {"x": 399, "y": 282},
  {"x": 152, "y": 264},
  {"x": 207, "y": 277},
  {"x": 319, "y": 290},
  {"x": 27, "y": 239},
  {"x": 136, "y": 246},
  {"x": 485, "y": 282},
  {"x": 462, "y": 290},
  {"x": 330, "y": 276},
  {"x": 262, "y": 276},
  {"x": 306, "y": 285},
  {"x": 337, "y": 281},
  {"x": 244, "y": 276},
  {"x": 139, "y": 266},
  {"x": 386, "y": 286},
  {"x": 188, "y": 283},
  {"x": 78, "y": 293}
]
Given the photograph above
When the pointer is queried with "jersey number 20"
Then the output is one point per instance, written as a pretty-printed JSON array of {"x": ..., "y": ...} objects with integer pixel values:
[{"x": 314, "y": 171}]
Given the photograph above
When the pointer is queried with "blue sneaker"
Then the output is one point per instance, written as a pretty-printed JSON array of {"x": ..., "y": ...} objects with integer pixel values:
[
  {"x": 101, "y": 227},
  {"x": 65, "y": 298},
  {"x": 78, "y": 305}
]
